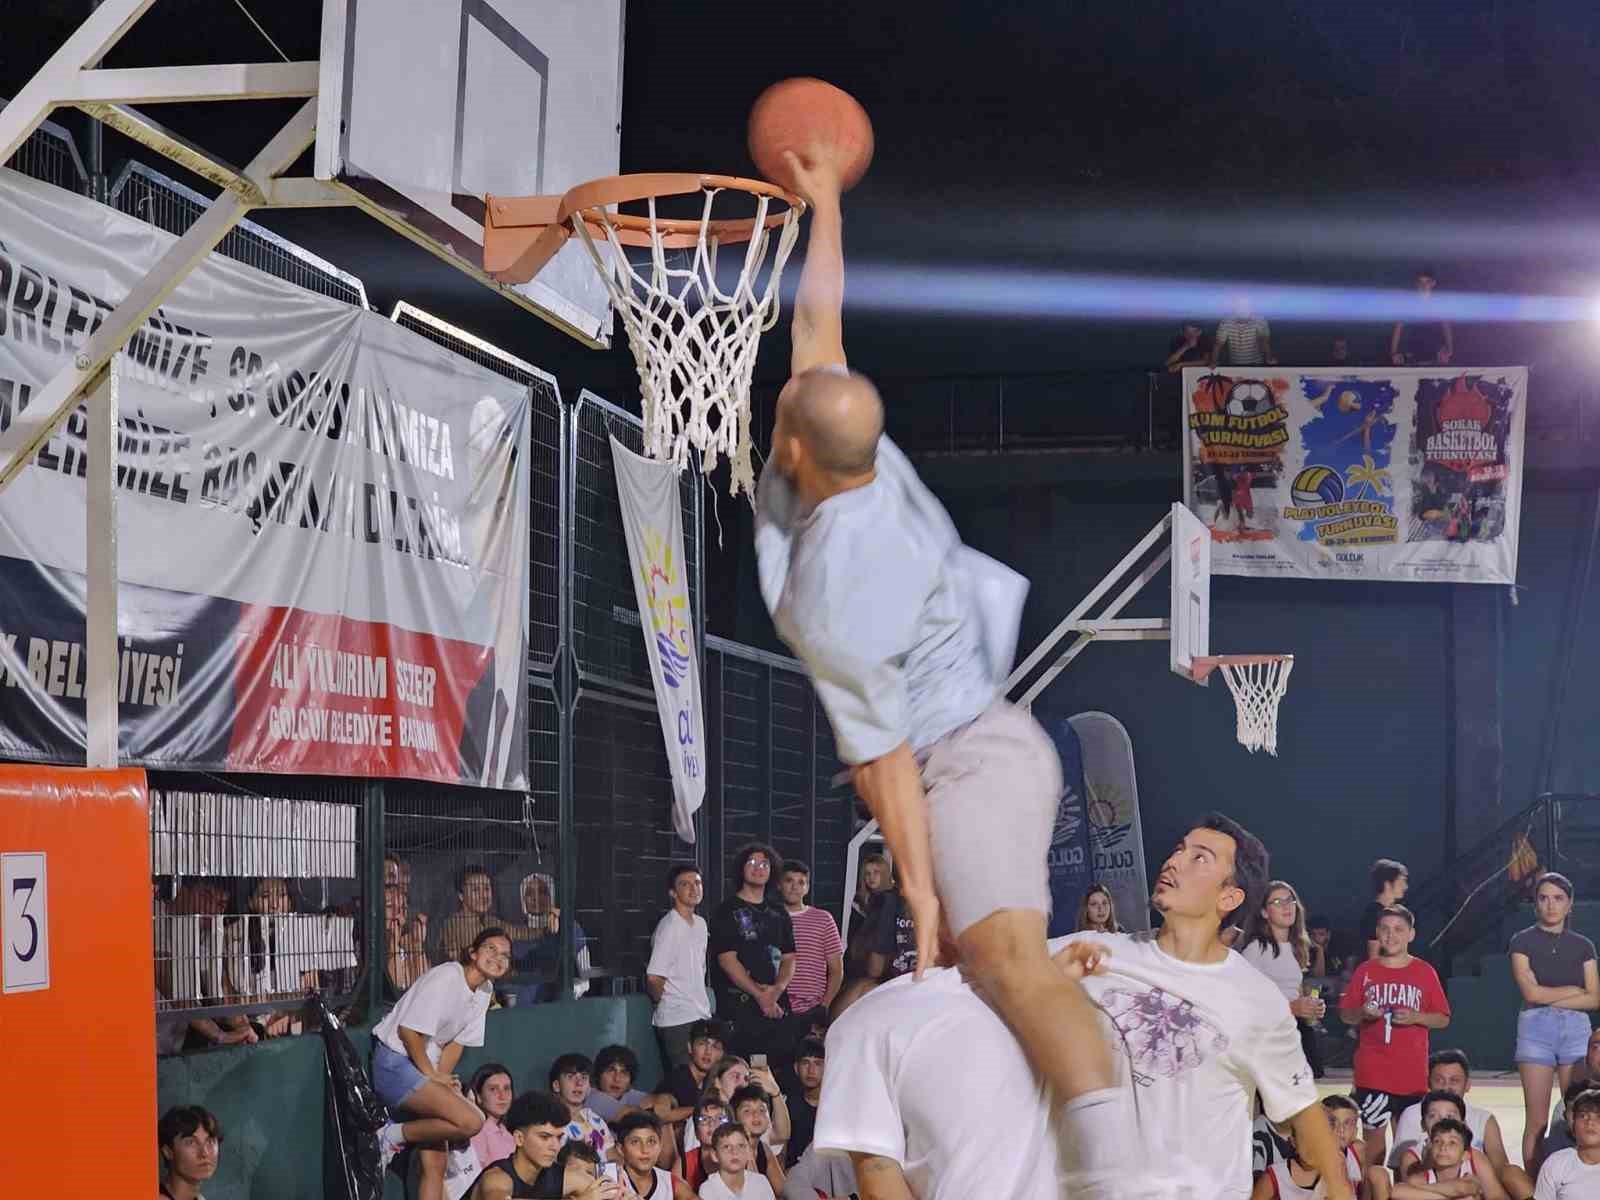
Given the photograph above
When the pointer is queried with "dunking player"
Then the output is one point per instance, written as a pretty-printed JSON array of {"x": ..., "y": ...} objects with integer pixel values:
[{"x": 908, "y": 635}]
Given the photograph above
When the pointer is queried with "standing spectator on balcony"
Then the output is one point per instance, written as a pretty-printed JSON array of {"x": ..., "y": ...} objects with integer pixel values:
[
  {"x": 1396, "y": 1000},
  {"x": 1244, "y": 339},
  {"x": 1339, "y": 352},
  {"x": 675, "y": 977},
  {"x": 189, "y": 1141},
  {"x": 1390, "y": 881},
  {"x": 415, "y": 1050},
  {"x": 1423, "y": 343},
  {"x": 406, "y": 940},
  {"x": 1275, "y": 943},
  {"x": 1191, "y": 348},
  {"x": 752, "y": 942},
  {"x": 818, "y": 953},
  {"x": 1555, "y": 970}
]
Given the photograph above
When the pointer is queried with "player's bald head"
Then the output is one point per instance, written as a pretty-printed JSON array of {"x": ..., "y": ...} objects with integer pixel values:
[{"x": 839, "y": 417}]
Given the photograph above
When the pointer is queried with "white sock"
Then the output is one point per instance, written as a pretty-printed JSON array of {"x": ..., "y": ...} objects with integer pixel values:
[{"x": 393, "y": 1136}]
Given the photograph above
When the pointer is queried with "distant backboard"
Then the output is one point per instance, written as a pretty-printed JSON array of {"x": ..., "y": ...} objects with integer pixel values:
[
  {"x": 426, "y": 106},
  {"x": 1191, "y": 589}
]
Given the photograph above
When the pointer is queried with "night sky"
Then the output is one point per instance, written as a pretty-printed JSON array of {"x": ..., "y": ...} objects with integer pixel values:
[{"x": 1290, "y": 140}]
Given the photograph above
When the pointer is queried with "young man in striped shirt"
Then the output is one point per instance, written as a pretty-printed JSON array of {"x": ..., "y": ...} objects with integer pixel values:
[{"x": 818, "y": 952}]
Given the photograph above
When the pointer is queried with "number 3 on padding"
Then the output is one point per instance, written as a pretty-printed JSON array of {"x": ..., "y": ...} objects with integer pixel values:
[
  {"x": 26, "y": 884},
  {"x": 25, "y": 947}
]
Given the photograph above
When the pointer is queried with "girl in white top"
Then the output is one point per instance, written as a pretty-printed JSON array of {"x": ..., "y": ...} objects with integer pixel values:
[
  {"x": 417, "y": 1046},
  {"x": 1276, "y": 944}
]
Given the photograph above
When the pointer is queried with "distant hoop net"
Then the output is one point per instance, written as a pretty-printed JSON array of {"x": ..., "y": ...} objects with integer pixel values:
[
  {"x": 694, "y": 337},
  {"x": 1258, "y": 682}
]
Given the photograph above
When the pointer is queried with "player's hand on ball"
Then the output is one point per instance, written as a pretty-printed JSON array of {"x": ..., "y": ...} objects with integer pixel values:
[
  {"x": 815, "y": 175},
  {"x": 924, "y": 906},
  {"x": 1083, "y": 958}
]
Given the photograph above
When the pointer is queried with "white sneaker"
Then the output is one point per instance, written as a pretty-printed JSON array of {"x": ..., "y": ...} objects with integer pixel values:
[{"x": 390, "y": 1142}]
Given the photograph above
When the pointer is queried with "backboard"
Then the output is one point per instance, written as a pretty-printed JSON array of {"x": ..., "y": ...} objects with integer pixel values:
[
  {"x": 1191, "y": 590},
  {"x": 426, "y": 106}
]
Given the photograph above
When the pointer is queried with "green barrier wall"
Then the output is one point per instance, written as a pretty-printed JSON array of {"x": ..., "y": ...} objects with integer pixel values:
[{"x": 269, "y": 1097}]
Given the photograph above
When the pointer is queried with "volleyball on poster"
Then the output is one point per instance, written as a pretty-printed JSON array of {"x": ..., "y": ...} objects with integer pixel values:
[
  {"x": 323, "y": 523},
  {"x": 1406, "y": 474}
]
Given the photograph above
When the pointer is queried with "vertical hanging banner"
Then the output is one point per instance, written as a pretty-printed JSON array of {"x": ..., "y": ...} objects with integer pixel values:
[
  {"x": 323, "y": 521},
  {"x": 652, "y": 521},
  {"x": 1410, "y": 473},
  {"x": 1069, "y": 854},
  {"x": 1116, "y": 837}
]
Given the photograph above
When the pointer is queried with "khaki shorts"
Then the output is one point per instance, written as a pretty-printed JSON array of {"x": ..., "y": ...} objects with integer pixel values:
[{"x": 993, "y": 789}]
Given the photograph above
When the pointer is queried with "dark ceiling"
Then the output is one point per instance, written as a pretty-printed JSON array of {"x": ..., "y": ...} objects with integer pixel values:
[{"x": 1291, "y": 140}]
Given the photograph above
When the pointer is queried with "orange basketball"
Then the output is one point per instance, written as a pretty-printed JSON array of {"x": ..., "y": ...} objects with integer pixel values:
[{"x": 801, "y": 114}]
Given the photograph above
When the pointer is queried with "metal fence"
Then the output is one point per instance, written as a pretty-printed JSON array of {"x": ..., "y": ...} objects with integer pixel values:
[
  {"x": 50, "y": 155},
  {"x": 146, "y": 193}
]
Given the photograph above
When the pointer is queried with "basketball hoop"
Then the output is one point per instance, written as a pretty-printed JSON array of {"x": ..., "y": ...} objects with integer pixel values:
[
  {"x": 1258, "y": 682},
  {"x": 694, "y": 341}
]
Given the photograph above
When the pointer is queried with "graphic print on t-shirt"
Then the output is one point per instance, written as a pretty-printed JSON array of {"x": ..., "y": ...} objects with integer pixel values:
[
  {"x": 1163, "y": 1033},
  {"x": 1388, "y": 996}
]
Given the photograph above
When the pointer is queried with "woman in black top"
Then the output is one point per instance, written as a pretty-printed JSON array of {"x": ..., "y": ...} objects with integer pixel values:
[{"x": 1556, "y": 972}]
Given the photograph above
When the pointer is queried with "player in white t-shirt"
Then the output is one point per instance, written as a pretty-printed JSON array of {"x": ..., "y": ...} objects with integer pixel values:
[
  {"x": 675, "y": 976},
  {"x": 1200, "y": 1030}
]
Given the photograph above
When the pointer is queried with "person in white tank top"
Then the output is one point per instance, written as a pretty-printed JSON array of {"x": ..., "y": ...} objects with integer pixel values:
[
  {"x": 1450, "y": 1156},
  {"x": 1289, "y": 1181},
  {"x": 638, "y": 1137}
]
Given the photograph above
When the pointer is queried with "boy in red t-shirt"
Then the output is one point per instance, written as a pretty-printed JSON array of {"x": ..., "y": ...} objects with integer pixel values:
[{"x": 1396, "y": 1000}]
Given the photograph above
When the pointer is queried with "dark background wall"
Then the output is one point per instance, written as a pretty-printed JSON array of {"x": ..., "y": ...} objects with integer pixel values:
[{"x": 1367, "y": 735}]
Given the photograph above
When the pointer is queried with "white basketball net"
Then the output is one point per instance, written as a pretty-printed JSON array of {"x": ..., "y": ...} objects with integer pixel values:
[
  {"x": 693, "y": 342},
  {"x": 1257, "y": 688}
]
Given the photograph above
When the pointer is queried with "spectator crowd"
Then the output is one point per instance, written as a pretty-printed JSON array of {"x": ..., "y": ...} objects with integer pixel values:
[{"x": 743, "y": 1003}]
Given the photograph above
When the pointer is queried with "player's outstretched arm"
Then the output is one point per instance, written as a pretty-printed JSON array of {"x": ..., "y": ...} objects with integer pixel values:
[
  {"x": 891, "y": 787},
  {"x": 817, "y": 333},
  {"x": 879, "y": 1178}
]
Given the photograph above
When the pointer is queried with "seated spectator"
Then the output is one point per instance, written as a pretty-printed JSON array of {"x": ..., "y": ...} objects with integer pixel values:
[
  {"x": 820, "y": 1177},
  {"x": 639, "y": 1140},
  {"x": 1289, "y": 1177},
  {"x": 474, "y": 911},
  {"x": 540, "y": 954},
  {"x": 535, "y": 1120},
  {"x": 1447, "y": 1154},
  {"x": 733, "y": 1073},
  {"x": 415, "y": 1050},
  {"x": 190, "y": 971},
  {"x": 569, "y": 1082},
  {"x": 1345, "y": 1118},
  {"x": 818, "y": 952},
  {"x": 1191, "y": 348},
  {"x": 189, "y": 1141},
  {"x": 1339, "y": 352},
  {"x": 1574, "y": 1173},
  {"x": 1560, "y": 1136},
  {"x": 258, "y": 968},
  {"x": 681, "y": 1089},
  {"x": 675, "y": 976},
  {"x": 810, "y": 1059},
  {"x": 1097, "y": 913},
  {"x": 1450, "y": 1071},
  {"x": 580, "y": 1158},
  {"x": 613, "y": 1094},
  {"x": 752, "y": 1110},
  {"x": 734, "y": 1180},
  {"x": 700, "y": 1161},
  {"x": 407, "y": 959},
  {"x": 492, "y": 1091}
]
